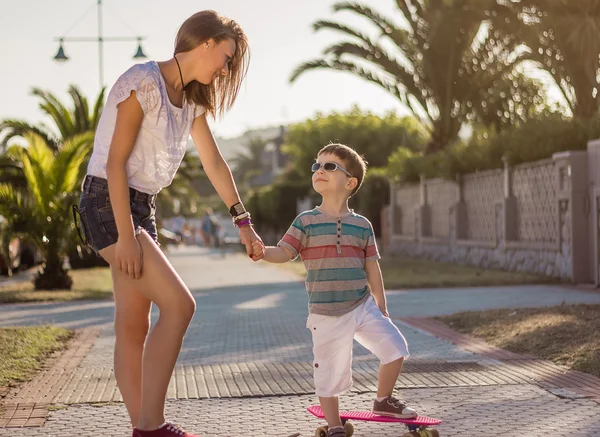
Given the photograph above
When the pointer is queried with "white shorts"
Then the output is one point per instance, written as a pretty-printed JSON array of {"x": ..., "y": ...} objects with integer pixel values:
[{"x": 333, "y": 341}]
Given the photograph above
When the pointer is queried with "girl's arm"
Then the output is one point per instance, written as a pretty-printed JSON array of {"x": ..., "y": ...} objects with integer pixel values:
[{"x": 220, "y": 176}]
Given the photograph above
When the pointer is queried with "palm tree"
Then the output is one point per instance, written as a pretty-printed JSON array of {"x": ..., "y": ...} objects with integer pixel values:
[
  {"x": 496, "y": 110},
  {"x": 563, "y": 38},
  {"x": 68, "y": 122},
  {"x": 450, "y": 57},
  {"x": 248, "y": 163},
  {"x": 11, "y": 172},
  {"x": 41, "y": 212}
]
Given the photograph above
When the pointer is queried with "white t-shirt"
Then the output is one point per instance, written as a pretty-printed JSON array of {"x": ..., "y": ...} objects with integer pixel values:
[{"x": 163, "y": 135}]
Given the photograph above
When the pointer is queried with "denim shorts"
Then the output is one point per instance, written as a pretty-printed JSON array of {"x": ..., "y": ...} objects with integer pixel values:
[{"x": 98, "y": 223}]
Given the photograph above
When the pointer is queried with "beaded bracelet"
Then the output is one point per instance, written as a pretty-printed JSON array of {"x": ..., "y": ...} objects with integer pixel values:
[
  {"x": 243, "y": 222},
  {"x": 239, "y": 218}
]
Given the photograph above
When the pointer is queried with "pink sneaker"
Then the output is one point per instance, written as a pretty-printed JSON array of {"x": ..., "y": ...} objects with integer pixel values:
[{"x": 166, "y": 430}]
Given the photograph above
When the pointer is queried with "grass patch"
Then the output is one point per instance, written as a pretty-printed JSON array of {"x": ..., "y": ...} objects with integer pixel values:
[
  {"x": 419, "y": 273},
  {"x": 565, "y": 334},
  {"x": 23, "y": 350},
  {"x": 401, "y": 273},
  {"x": 88, "y": 284}
]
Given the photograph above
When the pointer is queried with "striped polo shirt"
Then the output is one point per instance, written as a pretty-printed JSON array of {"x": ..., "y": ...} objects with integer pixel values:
[{"x": 334, "y": 251}]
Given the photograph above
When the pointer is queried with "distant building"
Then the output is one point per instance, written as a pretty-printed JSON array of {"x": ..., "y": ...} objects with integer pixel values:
[
  {"x": 273, "y": 161},
  {"x": 230, "y": 147}
]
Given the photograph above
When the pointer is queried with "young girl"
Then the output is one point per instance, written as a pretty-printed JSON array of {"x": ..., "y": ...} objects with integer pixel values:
[{"x": 139, "y": 144}]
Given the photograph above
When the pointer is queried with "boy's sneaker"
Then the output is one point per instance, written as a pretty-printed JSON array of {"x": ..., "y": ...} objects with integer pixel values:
[
  {"x": 393, "y": 407},
  {"x": 336, "y": 431},
  {"x": 165, "y": 430}
]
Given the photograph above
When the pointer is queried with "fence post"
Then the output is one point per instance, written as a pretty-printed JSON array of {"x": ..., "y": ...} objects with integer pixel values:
[
  {"x": 394, "y": 212},
  {"x": 511, "y": 223},
  {"x": 461, "y": 224},
  {"x": 386, "y": 228},
  {"x": 424, "y": 212},
  {"x": 573, "y": 192}
]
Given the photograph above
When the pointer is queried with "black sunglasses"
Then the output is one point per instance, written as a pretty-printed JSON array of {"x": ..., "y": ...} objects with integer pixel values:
[{"x": 329, "y": 166}]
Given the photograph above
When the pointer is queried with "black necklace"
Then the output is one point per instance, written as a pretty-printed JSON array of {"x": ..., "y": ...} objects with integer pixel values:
[{"x": 180, "y": 75}]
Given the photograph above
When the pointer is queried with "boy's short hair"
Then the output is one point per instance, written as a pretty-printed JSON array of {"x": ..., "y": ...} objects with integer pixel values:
[{"x": 353, "y": 162}]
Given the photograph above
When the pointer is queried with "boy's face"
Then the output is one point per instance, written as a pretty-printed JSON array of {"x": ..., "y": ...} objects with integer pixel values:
[{"x": 332, "y": 182}]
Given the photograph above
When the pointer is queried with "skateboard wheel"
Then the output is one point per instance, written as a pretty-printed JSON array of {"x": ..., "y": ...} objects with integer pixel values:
[
  {"x": 424, "y": 432},
  {"x": 321, "y": 431},
  {"x": 349, "y": 429}
]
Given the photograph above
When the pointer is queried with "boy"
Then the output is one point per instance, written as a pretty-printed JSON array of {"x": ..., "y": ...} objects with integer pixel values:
[{"x": 345, "y": 287}]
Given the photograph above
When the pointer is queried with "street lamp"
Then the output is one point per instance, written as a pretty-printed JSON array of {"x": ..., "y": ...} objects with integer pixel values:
[
  {"x": 139, "y": 54},
  {"x": 60, "y": 56},
  {"x": 100, "y": 39}
]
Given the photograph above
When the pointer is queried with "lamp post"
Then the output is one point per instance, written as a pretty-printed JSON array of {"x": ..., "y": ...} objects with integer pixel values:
[{"x": 100, "y": 39}]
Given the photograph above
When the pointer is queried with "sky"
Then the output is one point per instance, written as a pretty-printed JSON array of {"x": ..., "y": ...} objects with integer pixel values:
[{"x": 279, "y": 31}]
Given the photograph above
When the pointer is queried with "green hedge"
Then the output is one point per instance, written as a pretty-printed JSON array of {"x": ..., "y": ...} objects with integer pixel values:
[
  {"x": 372, "y": 197},
  {"x": 274, "y": 207},
  {"x": 533, "y": 141}
]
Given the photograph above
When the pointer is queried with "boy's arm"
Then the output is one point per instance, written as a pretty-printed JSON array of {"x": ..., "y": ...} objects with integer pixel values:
[
  {"x": 277, "y": 254},
  {"x": 290, "y": 245},
  {"x": 375, "y": 280}
]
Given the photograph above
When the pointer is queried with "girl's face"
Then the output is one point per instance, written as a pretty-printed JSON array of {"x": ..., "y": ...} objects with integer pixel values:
[{"x": 213, "y": 60}]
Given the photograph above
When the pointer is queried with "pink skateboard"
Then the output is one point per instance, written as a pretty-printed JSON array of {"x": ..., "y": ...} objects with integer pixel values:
[{"x": 417, "y": 427}]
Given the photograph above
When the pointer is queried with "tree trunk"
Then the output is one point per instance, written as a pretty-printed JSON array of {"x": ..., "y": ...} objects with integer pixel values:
[
  {"x": 445, "y": 132},
  {"x": 53, "y": 276}
]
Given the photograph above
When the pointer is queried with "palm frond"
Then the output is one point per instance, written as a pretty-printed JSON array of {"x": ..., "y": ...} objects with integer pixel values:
[
  {"x": 95, "y": 118},
  {"x": 393, "y": 71},
  {"x": 17, "y": 128},
  {"x": 11, "y": 200},
  {"x": 55, "y": 109},
  {"x": 65, "y": 169},
  {"x": 333, "y": 25},
  {"x": 14, "y": 206},
  {"x": 22, "y": 216},
  {"x": 37, "y": 159},
  {"x": 385, "y": 25},
  {"x": 357, "y": 70},
  {"x": 81, "y": 110},
  {"x": 402, "y": 38},
  {"x": 413, "y": 12},
  {"x": 562, "y": 39}
]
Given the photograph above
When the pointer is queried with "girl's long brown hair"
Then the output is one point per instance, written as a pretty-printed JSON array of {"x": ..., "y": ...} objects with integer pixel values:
[{"x": 219, "y": 96}]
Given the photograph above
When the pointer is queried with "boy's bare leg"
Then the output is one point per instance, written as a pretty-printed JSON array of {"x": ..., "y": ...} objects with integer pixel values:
[
  {"x": 331, "y": 410},
  {"x": 388, "y": 375}
]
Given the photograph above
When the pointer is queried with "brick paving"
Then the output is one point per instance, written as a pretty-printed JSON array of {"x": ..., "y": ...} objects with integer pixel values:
[
  {"x": 248, "y": 352},
  {"x": 494, "y": 411},
  {"x": 233, "y": 380}
]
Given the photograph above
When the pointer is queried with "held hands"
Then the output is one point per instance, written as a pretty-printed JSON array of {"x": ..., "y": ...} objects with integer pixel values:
[
  {"x": 258, "y": 250},
  {"x": 128, "y": 256},
  {"x": 254, "y": 245}
]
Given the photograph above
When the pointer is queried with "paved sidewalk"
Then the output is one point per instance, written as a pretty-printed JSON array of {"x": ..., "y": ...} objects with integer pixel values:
[{"x": 247, "y": 350}]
